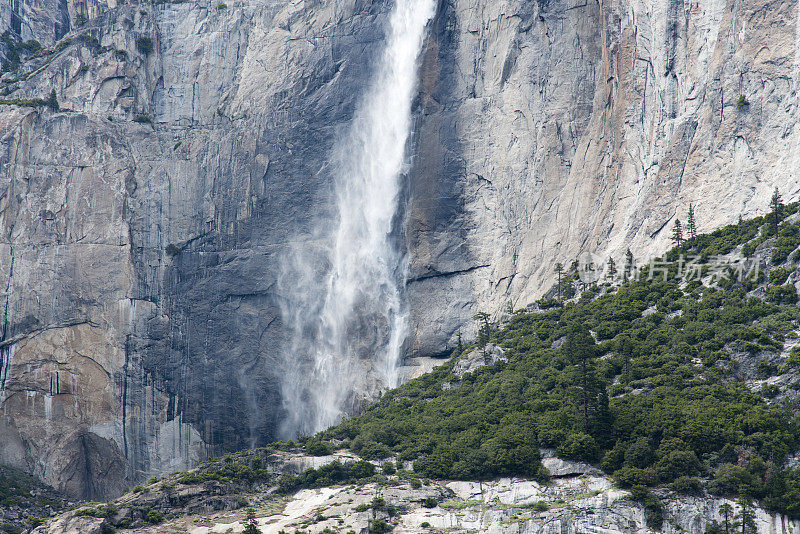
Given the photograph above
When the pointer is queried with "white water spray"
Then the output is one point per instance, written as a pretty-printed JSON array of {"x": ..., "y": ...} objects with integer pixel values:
[{"x": 345, "y": 302}]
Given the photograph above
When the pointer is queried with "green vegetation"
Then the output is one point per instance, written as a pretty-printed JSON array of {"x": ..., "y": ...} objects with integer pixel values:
[
  {"x": 103, "y": 510},
  {"x": 154, "y": 517},
  {"x": 20, "y": 489},
  {"x": 318, "y": 448},
  {"x": 328, "y": 475},
  {"x": 742, "y": 103},
  {"x": 16, "y": 49},
  {"x": 224, "y": 471},
  {"x": 51, "y": 102},
  {"x": 144, "y": 45},
  {"x": 644, "y": 380},
  {"x": 251, "y": 527}
]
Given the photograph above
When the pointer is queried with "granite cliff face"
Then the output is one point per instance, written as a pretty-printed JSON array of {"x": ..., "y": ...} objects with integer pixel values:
[
  {"x": 559, "y": 127},
  {"x": 142, "y": 224}
]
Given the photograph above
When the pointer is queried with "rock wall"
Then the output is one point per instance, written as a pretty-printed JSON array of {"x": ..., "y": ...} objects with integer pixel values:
[
  {"x": 556, "y": 127},
  {"x": 140, "y": 228},
  {"x": 141, "y": 225}
]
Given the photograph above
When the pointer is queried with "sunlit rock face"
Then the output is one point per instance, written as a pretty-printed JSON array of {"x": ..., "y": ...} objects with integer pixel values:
[
  {"x": 550, "y": 128},
  {"x": 144, "y": 227}
]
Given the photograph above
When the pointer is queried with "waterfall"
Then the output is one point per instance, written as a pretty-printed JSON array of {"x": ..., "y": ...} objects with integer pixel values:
[{"x": 344, "y": 302}]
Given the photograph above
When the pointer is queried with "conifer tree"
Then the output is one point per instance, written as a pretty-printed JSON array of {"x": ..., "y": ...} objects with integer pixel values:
[
  {"x": 745, "y": 518},
  {"x": 559, "y": 272},
  {"x": 252, "y": 526},
  {"x": 727, "y": 517},
  {"x": 776, "y": 206},
  {"x": 52, "y": 101},
  {"x": 691, "y": 225},
  {"x": 484, "y": 330},
  {"x": 612, "y": 269},
  {"x": 629, "y": 265},
  {"x": 677, "y": 233},
  {"x": 580, "y": 350}
]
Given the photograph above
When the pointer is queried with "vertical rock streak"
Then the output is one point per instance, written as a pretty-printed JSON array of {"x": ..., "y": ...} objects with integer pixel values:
[
  {"x": 6, "y": 347},
  {"x": 796, "y": 79},
  {"x": 348, "y": 317}
]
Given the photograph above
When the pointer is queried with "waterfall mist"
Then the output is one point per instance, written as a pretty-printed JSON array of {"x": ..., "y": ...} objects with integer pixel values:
[{"x": 343, "y": 288}]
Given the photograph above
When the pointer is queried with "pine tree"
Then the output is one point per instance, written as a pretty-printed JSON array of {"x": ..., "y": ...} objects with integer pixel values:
[
  {"x": 559, "y": 272},
  {"x": 745, "y": 518},
  {"x": 677, "y": 233},
  {"x": 484, "y": 330},
  {"x": 52, "y": 101},
  {"x": 603, "y": 424},
  {"x": 580, "y": 349},
  {"x": 252, "y": 526},
  {"x": 691, "y": 226},
  {"x": 776, "y": 206},
  {"x": 629, "y": 265},
  {"x": 726, "y": 510},
  {"x": 612, "y": 269}
]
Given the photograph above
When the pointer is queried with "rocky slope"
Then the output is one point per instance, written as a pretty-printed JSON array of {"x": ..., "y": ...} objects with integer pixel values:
[
  {"x": 579, "y": 500},
  {"x": 141, "y": 225},
  {"x": 24, "y": 501}
]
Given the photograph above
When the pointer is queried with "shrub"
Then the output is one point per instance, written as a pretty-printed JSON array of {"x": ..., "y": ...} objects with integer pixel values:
[
  {"x": 103, "y": 510},
  {"x": 628, "y": 477},
  {"x": 374, "y": 451},
  {"x": 653, "y": 509},
  {"x": 578, "y": 446},
  {"x": 154, "y": 517},
  {"x": 687, "y": 486},
  {"x": 639, "y": 453},
  {"x": 318, "y": 448},
  {"x": 765, "y": 369},
  {"x": 540, "y": 506},
  {"x": 430, "y": 502},
  {"x": 34, "y": 521},
  {"x": 782, "y": 294},
  {"x": 379, "y": 526},
  {"x": 144, "y": 45},
  {"x": 778, "y": 276},
  {"x": 770, "y": 391},
  {"x": 677, "y": 464},
  {"x": 327, "y": 475},
  {"x": 730, "y": 479},
  {"x": 388, "y": 468},
  {"x": 793, "y": 362}
]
